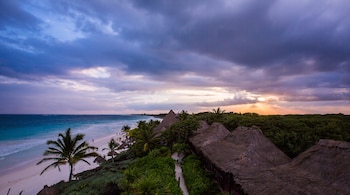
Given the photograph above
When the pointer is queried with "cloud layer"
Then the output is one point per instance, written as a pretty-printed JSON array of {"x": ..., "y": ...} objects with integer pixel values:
[{"x": 132, "y": 56}]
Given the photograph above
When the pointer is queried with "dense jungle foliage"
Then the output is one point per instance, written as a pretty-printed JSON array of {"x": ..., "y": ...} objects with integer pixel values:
[{"x": 147, "y": 167}]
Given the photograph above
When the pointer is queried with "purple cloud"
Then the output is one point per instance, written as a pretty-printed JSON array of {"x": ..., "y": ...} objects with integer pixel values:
[{"x": 297, "y": 51}]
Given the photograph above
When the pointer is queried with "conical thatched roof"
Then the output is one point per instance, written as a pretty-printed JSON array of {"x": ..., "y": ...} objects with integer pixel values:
[
  {"x": 322, "y": 169},
  {"x": 208, "y": 135},
  {"x": 245, "y": 150},
  {"x": 168, "y": 120}
]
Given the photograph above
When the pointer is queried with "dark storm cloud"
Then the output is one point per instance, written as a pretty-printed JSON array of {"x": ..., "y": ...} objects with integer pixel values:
[
  {"x": 250, "y": 38},
  {"x": 39, "y": 56},
  {"x": 274, "y": 47},
  {"x": 247, "y": 35},
  {"x": 296, "y": 39},
  {"x": 261, "y": 35}
]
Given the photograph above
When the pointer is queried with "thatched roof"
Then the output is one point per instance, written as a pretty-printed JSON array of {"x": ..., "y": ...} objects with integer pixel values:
[
  {"x": 243, "y": 151},
  {"x": 202, "y": 127},
  {"x": 259, "y": 167},
  {"x": 48, "y": 191},
  {"x": 205, "y": 136},
  {"x": 322, "y": 169},
  {"x": 168, "y": 120}
]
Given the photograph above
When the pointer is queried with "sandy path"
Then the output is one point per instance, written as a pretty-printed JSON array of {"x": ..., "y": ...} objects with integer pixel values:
[
  {"x": 31, "y": 182},
  {"x": 178, "y": 173}
]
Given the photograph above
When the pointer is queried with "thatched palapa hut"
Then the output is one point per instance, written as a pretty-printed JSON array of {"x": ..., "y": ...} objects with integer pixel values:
[
  {"x": 245, "y": 151},
  {"x": 322, "y": 169},
  {"x": 168, "y": 120},
  {"x": 244, "y": 161}
]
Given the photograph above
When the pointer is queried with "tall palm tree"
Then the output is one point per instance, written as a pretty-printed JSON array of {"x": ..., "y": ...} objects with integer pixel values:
[
  {"x": 67, "y": 149},
  {"x": 112, "y": 146},
  {"x": 145, "y": 139}
]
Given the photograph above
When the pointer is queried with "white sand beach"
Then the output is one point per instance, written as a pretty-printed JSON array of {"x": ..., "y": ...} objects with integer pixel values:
[{"x": 31, "y": 182}]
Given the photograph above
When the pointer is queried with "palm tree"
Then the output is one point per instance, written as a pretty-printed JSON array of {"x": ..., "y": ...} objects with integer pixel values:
[
  {"x": 112, "y": 146},
  {"x": 67, "y": 149},
  {"x": 145, "y": 139},
  {"x": 217, "y": 117},
  {"x": 126, "y": 128},
  {"x": 183, "y": 115},
  {"x": 218, "y": 111}
]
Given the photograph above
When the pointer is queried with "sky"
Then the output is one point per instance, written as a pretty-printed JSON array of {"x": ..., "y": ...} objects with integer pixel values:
[{"x": 131, "y": 56}]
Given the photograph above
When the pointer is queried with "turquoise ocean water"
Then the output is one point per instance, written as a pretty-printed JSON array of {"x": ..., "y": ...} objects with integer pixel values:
[{"x": 23, "y": 137}]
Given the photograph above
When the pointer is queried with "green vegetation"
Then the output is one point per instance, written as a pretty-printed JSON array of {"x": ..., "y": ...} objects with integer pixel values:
[
  {"x": 180, "y": 131},
  {"x": 96, "y": 181},
  {"x": 197, "y": 179},
  {"x": 67, "y": 149},
  {"x": 147, "y": 168},
  {"x": 143, "y": 137},
  {"x": 112, "y": 146},
  {"x": 151, "y": 175}
]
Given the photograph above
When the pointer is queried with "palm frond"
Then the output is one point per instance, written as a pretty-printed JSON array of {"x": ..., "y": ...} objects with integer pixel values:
[
  {"x": 82, "y": 145},
  {"x": 49, "y": 159},
  {"x": 52, "y": 152},
  {"x": 54, "y": 164},
  {"x": 85, "y": 161},
  {"x": 76, "y": 139},
  {"x": 57, "y": 143}
]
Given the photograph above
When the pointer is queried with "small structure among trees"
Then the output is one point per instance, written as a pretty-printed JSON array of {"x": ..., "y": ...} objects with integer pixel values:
[{"x": 170, "y": 119}]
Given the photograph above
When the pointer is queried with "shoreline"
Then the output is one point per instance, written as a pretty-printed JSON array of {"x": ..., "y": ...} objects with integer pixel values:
[{"x": 29, "y": 180}]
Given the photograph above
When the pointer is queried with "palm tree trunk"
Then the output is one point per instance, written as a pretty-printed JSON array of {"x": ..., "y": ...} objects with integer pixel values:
[{"x": 71, "y": 171}]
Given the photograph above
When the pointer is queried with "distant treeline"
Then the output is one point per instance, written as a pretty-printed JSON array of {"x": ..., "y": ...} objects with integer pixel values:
[
  {"x": 293, "y": 134},
  {"x": 161, "y": 115}
]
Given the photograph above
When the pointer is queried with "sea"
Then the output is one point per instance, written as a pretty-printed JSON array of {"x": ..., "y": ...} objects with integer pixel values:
[{"x": 23, "y": 137}]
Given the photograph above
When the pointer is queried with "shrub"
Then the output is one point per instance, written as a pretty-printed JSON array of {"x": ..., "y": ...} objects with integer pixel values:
[{"x": 197, "y": 179}]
